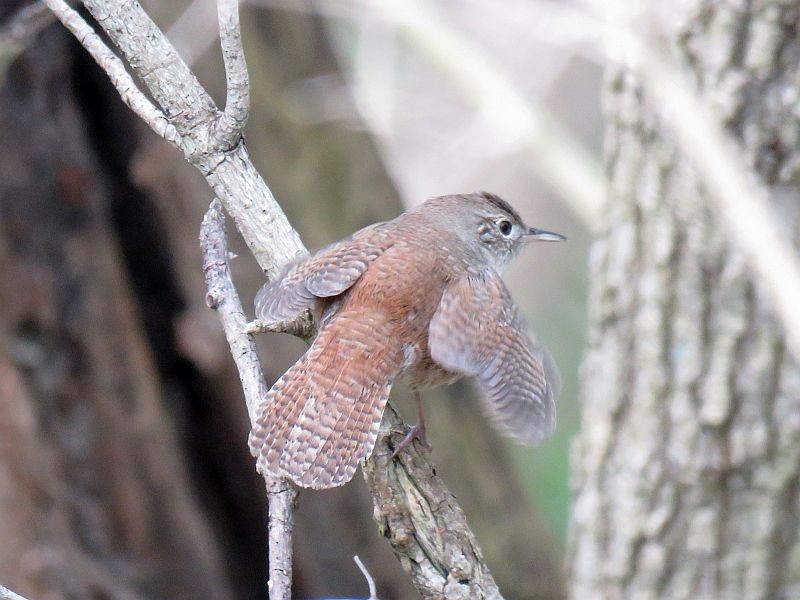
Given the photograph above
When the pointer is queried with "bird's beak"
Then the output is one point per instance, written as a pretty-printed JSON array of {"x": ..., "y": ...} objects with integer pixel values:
[{"x": 540, "y": 235}]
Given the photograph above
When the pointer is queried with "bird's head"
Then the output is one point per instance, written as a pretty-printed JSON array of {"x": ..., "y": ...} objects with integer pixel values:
[{"x": 490, "y": 226}]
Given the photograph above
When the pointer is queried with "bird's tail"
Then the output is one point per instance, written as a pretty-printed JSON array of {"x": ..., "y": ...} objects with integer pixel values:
[{"x": 322, "y": 416}]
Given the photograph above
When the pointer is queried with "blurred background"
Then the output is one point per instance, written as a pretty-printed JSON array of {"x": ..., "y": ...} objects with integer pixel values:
[{"x": 124, "y": 471}]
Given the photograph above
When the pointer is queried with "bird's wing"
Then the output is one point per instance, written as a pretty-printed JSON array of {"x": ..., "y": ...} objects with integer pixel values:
[
  {"x": 477, "y": 330},
  {"x": 328, "y": 272}
]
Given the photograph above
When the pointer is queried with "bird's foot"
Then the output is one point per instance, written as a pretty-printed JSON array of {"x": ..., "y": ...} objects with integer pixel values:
[{"x": 417, "y": 432}]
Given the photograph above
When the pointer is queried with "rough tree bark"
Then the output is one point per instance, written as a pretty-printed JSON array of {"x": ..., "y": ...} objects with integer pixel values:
[{"x": 687, "y": 470}]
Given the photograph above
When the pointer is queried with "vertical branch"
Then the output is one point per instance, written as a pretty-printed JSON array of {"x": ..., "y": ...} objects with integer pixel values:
[
  {"x": 237, "y": 102},
  {"x": 222, "y": 297},
  {"x": 282, "y": 497}
]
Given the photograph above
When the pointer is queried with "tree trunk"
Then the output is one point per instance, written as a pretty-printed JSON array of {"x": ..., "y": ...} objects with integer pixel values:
[{"x": 687, "y": 470}]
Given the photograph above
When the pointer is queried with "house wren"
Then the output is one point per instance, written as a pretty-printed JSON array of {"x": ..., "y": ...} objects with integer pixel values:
[{"x": 421, "y": 297}]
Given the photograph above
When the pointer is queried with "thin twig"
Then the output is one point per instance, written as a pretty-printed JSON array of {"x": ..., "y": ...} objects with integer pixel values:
[
  {"x": 373, "y": 594},
  {"x": 222, "y": 297},
  {"x": 237, "y": 104},
  {"x": 114, "y": 67}
]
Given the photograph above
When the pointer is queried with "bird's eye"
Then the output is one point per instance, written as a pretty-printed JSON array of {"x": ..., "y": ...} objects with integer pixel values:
[{"x": 505, "y": 227}]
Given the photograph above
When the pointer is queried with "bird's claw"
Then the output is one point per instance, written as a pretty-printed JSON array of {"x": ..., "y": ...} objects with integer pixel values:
[{"x": 416, "y": 432}]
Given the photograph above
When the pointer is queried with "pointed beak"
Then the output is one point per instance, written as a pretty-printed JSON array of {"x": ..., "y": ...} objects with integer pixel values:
[{"x": 540, "y": 235}]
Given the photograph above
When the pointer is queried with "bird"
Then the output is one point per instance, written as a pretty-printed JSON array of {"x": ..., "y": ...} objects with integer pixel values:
[{"x": 419, "y": 297}]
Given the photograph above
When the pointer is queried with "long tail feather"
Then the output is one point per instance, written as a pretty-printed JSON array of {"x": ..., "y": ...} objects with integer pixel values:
[{"x": 322, "y": 416}]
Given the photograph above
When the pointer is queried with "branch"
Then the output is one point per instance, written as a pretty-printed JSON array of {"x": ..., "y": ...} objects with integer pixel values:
[
  {"x": 223, "y": 298},
  {"x": 302, "y": 327},
  {"x": 115, "y": 69},
  {"x": 237, "y": 103},
  {"x": 193, "y": 122},
  {"x": 422, "y": 520},
  {"x": 373, "y": 594},
  {"x": 7, "y": 594},
  {"x": 415, "y": 511}
]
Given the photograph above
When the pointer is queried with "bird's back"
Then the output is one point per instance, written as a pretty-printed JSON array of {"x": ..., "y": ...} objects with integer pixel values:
[{"x": 405, "y": 285}]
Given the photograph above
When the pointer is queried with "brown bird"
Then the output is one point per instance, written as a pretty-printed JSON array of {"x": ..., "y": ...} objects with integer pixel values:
[{"x": 419, "y": 296}]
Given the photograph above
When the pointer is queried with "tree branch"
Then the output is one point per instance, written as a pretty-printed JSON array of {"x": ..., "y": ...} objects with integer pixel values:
[
  {"x": 189, "y": 109},
  {"x": 222, "y": 297},
  {"x": 415, "y": 511},
  {"x": 129, "y": 92},
  {"x": 373, "y": 595},
  {"x": 7, "y": 594},
  {"x": 420, "y": 517},
  {"x": 302, "y": 327},
  {"x": 237, "y": 103}
]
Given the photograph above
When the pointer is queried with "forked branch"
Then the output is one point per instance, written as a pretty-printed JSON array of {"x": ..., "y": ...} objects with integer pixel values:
[{"x": 211, "y": 140}]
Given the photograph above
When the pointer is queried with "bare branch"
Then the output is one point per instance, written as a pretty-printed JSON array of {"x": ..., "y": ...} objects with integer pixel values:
[
  {"x": 422, "y": 521},
  {"x": 373, "y": 594},
  {"x": 302, "y": 327},
  {"x": 282, "y": 502},
  {"x": 237, "y": 104},
  {"x": 7, "y": 594},
  {"x": 191, "y": 121},
  {"x": 223, "y": 298},
  {"x": 398, "y": 492},
  {"x": 113, "y": 66},
  {"x": 154, "y": 60}
]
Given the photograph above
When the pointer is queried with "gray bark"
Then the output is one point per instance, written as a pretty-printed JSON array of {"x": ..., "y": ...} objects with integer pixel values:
[
  {"x": 687, "y": 470},
  {"x": 423, "y": 522}
]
